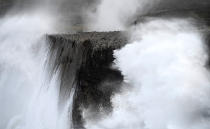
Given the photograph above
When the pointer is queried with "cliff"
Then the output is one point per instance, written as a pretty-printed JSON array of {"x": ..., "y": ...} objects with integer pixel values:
[{"x": 85, "y": 63}]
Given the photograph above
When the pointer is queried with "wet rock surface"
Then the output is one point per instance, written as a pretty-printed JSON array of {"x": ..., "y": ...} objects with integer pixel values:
[{"x": 85, "y": 62}]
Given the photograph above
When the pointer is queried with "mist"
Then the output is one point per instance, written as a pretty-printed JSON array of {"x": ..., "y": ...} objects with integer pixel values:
[
  {"x": 166, "y": 81},
  {"x": 69, "y": 15},
  {"x": 26, "y": 91},
  {"x": 117, "y": 15}
]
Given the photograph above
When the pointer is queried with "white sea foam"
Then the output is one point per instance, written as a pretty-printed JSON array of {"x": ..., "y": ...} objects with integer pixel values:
[{"x": 164, "y": 67}]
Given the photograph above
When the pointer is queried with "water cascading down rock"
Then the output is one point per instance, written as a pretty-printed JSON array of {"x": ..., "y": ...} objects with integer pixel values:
[{"x": 85, "y": 62}]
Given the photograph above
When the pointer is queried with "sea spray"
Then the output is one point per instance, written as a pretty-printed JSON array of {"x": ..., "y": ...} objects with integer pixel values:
[
  {"x": 167, "y": 83},
  {"x": 28, "y": 97}
]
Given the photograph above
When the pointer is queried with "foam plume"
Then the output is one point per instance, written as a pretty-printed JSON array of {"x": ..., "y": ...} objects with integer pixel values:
[{"x": 167, "y": 82}]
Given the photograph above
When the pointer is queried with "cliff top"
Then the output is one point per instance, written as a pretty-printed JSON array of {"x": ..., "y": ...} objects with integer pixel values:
[{"x": 98, "y": 40}]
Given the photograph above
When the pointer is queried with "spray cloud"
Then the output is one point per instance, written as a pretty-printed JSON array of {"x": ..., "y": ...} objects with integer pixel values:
[
  {"x": 164, "y": 66},
  {"x": 167, "y": 82},
  {"x": 25, "y": 89}
]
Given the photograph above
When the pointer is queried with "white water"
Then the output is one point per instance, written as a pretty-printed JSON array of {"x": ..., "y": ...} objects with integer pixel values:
[
  {"x": 167, "y": 83},
  {"x": 28, "y": 98},
  {"x": 168, "y": 86}
]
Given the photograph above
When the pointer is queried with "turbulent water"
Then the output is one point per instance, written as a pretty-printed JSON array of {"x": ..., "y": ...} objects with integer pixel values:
[
  {"x": 167, "y": 84},
  {"x": 28, "y": 97}
]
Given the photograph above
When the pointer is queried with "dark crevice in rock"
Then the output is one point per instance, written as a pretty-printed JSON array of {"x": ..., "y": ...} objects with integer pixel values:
[{"x": 97, "y": 82}]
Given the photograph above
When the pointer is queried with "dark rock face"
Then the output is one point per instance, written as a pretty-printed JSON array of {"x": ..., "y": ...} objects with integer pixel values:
[{"x": 85, "y": 63}]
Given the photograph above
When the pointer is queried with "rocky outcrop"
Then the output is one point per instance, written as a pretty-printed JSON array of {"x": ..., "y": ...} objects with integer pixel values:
[{"x": 85, "y": 63}]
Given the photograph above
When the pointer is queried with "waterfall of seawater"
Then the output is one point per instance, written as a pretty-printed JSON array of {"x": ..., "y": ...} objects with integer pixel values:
[
  {"x": 28, "y": 97},
  {"x": 168, "y": 85}
]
